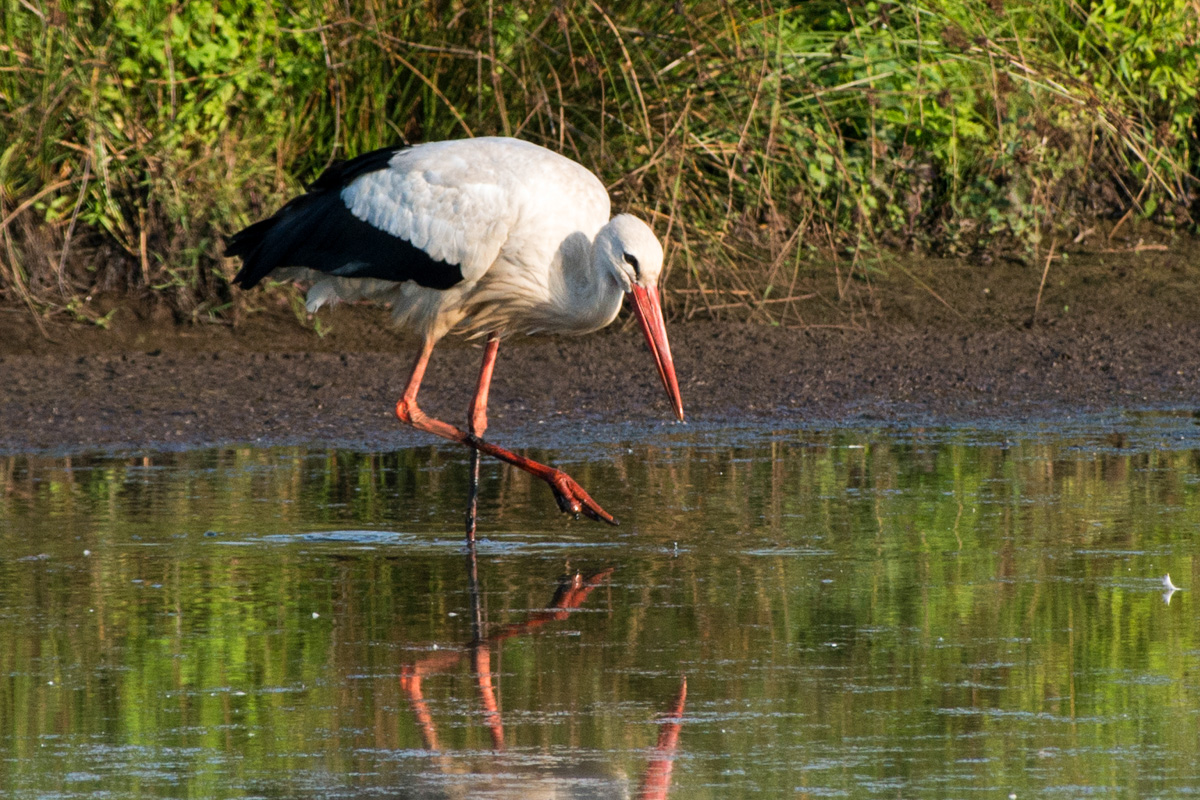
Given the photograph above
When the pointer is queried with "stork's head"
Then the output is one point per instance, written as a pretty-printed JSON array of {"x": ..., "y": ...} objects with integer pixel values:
[{"x": 630, "y": 251}]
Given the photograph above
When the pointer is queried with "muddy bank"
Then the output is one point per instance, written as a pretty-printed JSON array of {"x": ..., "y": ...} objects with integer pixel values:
[{"x": 929, "y": 347}]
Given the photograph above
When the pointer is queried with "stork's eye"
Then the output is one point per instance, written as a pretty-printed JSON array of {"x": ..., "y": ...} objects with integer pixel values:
[{"x": 632, "y": 261}]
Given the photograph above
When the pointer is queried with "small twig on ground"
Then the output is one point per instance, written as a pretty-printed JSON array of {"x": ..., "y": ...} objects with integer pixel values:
[
  {"x": 1045, "y": 271},
  {"x": 791, "y": 299},
  {"x": 929, "y": 289},
  {"x": 1137, "y": 248}
]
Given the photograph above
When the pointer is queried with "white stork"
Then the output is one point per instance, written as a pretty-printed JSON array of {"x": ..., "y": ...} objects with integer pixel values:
[{"x": 488, "y": 235}]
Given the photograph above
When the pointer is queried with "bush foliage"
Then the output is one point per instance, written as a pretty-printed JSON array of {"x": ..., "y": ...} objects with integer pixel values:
[{"x": 762, "y": 140}]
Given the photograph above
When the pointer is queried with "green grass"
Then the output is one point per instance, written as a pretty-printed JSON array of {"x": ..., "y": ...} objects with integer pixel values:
[{"x": 762, "y": 141}]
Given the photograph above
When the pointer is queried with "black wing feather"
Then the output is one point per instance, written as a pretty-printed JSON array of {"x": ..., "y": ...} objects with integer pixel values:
[{"x": 317, "y": 231}]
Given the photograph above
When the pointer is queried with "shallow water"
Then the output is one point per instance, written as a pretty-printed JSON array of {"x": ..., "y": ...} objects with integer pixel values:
[{"x": 857, "y": 612}]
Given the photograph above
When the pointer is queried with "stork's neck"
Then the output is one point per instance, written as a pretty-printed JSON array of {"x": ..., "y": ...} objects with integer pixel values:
[{"x": 591, "y": 296}]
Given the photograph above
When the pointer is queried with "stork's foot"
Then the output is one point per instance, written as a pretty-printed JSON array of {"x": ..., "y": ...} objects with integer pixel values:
[
  {"x": 572, "y": 499},
  {"x": 570, "y": 495}
]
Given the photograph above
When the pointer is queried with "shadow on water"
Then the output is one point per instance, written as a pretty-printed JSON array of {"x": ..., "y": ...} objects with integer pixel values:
[{"x": 859, "y": 612}]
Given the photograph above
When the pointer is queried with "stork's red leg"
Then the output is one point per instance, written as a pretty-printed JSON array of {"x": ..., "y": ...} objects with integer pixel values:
[
  {"x": 473, "y": 497},
  {"x": 570, "y": 495},
  {"x": 477, "y": 424}
]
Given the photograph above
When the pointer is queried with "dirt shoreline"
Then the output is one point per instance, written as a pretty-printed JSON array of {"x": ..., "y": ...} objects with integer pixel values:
[{"x": 1119, "y": 332}]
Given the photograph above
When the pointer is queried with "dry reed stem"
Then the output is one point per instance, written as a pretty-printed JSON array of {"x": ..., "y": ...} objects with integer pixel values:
[{"x": 1045, "y": 271}]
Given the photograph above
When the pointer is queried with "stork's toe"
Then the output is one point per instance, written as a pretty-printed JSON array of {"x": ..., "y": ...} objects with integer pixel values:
[{"x": 572, "y": 499}]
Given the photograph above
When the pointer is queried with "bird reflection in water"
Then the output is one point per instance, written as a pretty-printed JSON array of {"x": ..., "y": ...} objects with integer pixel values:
[{"x": 571, "y": 594}]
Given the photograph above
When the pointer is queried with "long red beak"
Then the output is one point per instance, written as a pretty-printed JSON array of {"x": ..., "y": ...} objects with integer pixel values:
[{"x": 649, "y": 313}]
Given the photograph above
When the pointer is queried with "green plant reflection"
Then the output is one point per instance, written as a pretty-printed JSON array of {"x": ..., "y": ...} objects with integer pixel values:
[{"x": 856, "y": 612}]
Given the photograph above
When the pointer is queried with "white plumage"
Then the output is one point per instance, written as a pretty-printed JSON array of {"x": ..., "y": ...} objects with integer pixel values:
[
  {"x": 519, "y": 220},
  {"x": 481, "y": 235}
]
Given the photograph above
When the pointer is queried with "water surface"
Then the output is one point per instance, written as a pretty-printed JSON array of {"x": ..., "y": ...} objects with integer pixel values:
[{"x": 856, "y": 612}]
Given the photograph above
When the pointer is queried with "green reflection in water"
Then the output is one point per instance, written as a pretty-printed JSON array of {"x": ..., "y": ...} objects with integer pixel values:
[{"x": 857, "y": 612}]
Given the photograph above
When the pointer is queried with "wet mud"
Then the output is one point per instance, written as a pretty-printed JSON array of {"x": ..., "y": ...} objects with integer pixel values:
[{"x": 956, "y": 342}]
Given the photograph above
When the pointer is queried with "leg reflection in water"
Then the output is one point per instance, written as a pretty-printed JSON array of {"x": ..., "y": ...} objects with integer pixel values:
[
  {"x": 656, "y": 780},
  {"x": 572, "y": 593}
]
